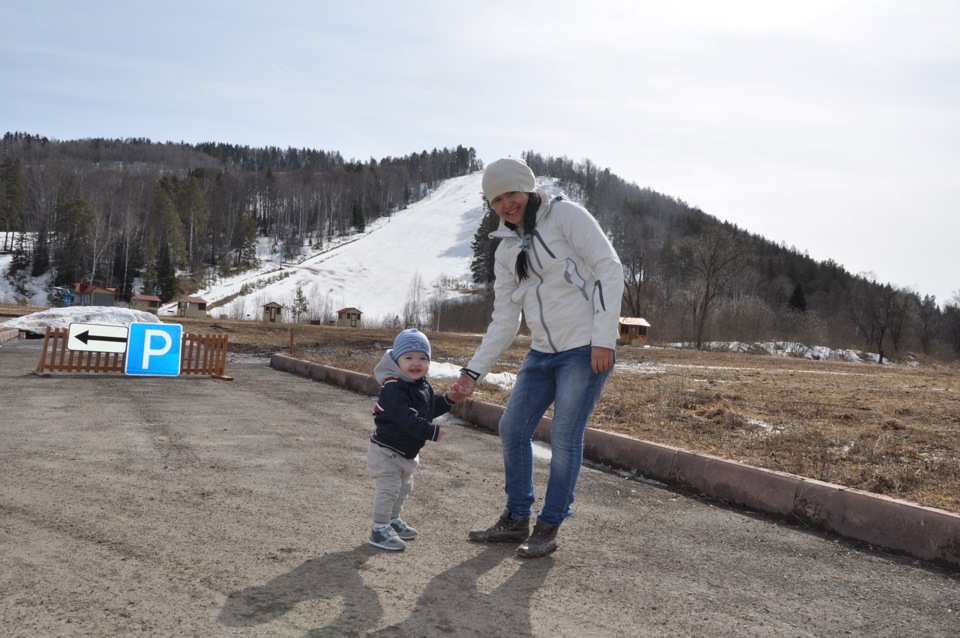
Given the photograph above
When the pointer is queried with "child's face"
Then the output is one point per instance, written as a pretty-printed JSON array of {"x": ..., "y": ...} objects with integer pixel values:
[{"x": 414, "y": 364}]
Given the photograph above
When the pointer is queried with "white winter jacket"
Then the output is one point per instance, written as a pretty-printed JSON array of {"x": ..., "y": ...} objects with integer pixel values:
[{"x": 571, "y": 296}]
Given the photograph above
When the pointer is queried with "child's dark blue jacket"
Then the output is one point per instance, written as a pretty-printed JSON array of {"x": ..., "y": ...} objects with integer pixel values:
[{"x": 405, "y": 410}]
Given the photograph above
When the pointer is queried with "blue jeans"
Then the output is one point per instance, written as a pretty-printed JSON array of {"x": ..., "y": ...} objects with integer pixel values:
[{"x": 566, "y": 379}]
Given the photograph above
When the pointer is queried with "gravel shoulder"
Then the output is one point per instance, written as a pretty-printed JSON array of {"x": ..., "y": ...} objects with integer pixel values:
[{"x": 194, "y": 507}]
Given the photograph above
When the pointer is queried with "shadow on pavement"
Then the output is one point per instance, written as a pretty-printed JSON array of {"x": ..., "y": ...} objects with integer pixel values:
[
  {"x": 454, "y": 602},
  {"x": 334, "y": 576}
]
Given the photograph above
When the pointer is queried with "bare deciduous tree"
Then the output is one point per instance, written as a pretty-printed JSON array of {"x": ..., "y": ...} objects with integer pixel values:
[
  {"x": 874, "y": 310},
  {"x": 634, "y": 276},
  {"x": 415, "y": 306},
  {"x": 710, "y": 262}
]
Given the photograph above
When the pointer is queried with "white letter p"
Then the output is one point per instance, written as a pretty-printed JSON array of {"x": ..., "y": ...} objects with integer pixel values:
[{"x": 149, "y": 351}]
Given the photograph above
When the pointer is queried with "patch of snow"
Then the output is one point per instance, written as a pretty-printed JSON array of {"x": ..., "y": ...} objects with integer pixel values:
[
  {"x": 790, "y": 349},
  {"x": 36, "y": 288},
  {"x": 38, "y": 322},
  {"x": 766, "y": 427}
]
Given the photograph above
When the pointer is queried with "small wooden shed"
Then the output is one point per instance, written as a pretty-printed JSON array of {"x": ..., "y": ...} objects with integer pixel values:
[
  {"x": 146, "y": 303},
  {"x": 90, "y": 295},
  {"x": 271, "y": 311},
  {"x": 633, "y": 331},
  {"x": 192, "y": 307},
  {"x": 348, "y": 317}
]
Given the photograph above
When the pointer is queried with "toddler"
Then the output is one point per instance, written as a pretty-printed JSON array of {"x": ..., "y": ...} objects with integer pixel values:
[{"x": 403, "y": 417}]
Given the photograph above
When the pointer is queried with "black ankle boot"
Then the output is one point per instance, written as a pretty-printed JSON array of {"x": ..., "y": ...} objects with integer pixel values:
[
  {"x": 542, "y": 541},
  {"x": 505, "y": 530}
]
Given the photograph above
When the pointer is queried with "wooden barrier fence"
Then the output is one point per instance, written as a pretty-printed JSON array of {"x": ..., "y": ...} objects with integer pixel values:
[{"x": 199, "y": 354}]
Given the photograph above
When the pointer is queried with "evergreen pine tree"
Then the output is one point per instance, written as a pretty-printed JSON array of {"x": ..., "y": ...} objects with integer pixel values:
[
  {"x": 300, "y": 305},
  {"x": 149, "y": 263},
  {"x": 166, "y": 274},
  {"x": 359, "y": 220},
  {"x": 798, "y": 300},
  {"x": 41, "y": 254},
  {"x": 484, "y": 248},
  {"x": 74, "y": 230},
  {"x": 21, "y": 259},
  {"x": 244, "y": 240},
  {"x": 167, "y": 222}
]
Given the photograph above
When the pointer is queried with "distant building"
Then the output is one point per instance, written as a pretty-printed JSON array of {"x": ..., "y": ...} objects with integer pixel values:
[
  {"x": 633, "y": 331},
  {"x": 193, "y": 307},
  {"x": 89, "y": 295},
  {"x": 348, "y": 317},
  {"x": 271, "y": 311},
  {"x": 146, "y": 303}
]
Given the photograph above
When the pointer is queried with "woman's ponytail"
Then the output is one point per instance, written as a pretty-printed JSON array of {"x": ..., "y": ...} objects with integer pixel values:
[{"x": 529, "y": 225}]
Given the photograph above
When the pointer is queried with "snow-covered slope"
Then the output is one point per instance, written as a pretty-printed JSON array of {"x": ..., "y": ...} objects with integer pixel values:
[{"x": 374, "y": 271}]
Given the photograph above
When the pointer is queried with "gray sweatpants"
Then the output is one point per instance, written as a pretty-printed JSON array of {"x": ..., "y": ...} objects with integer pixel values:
[{"x": 394, "y": 477}]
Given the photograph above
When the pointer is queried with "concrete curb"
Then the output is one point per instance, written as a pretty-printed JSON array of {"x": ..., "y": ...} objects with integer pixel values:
[
  {"x": 921, "y": 532},
  {"x": 8, "y": 334}
]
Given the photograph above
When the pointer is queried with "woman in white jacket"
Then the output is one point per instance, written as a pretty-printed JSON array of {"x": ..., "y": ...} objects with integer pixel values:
[{"x": 556, "y": 267}]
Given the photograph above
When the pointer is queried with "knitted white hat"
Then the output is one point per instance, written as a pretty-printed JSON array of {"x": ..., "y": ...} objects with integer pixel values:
[{"x": 506, "y": 176}]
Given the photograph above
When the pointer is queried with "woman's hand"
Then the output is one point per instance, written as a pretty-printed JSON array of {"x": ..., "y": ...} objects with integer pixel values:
[
  {"x": 601, "y": 359},
  {"x": 463, "y": 388}
]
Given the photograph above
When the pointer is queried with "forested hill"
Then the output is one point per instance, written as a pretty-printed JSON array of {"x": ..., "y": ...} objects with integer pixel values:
[
  {"x": 698, "y": 279},
  {"x": 110, "y": 211},
  {"x": 113, "y": 212}
]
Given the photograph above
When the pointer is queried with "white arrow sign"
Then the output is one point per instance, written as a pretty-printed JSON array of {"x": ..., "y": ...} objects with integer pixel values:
[{"x": 96, "y": 338}]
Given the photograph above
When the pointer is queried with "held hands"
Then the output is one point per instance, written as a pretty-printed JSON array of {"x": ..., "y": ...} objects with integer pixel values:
[{"x": 460, "y": 390}]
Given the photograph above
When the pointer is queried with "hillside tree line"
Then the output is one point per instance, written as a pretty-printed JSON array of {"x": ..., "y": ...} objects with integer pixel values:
[
  {"x": 167, "y": 216},
  {"x": 697, "y": 279},
  {"x": 112, "y": 212}
]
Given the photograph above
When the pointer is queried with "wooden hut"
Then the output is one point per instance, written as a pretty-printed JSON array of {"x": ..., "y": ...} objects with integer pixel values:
[
  {"x": 633, "y": 331},
  {"x": 146, "y": 303},
  {"x": 348, "y": 317},
  {"x": 271, "y": 311},
  {"x": 90, "y": 295},
  {"x": 193, "y": 307}
]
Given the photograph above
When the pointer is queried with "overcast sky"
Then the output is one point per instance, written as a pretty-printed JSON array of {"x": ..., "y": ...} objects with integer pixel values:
[{"x": 830, "y": 126}]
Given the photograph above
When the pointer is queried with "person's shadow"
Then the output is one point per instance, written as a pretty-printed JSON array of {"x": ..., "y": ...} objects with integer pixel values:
[
  {"x": 454, "y": 605},
  {"x": 451, "y": 604},
  {"x": 334, "y": 576}
]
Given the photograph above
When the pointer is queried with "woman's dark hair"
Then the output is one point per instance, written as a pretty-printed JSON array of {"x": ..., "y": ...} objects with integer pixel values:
[{"x": 529, "y": 224}]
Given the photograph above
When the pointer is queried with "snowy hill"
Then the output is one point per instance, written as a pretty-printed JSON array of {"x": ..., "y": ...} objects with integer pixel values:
[{"x": 428, "y": 243}]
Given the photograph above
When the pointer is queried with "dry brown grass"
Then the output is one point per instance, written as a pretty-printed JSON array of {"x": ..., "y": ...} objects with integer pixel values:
[{"x": 892, "y": 429}]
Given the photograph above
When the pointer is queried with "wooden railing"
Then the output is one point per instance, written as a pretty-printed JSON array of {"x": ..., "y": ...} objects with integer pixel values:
[{"x": 199, "y": 354}]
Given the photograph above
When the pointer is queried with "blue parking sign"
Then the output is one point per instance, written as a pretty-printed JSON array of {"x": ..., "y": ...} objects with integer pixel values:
[{"x": 154, "y": 349}]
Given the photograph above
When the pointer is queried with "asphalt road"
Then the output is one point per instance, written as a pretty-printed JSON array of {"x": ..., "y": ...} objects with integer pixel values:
[{"x": 143, "y": 506}]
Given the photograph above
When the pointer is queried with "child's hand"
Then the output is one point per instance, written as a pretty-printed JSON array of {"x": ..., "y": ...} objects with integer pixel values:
[
  {"x": 440, "y": 434},
  {"x": 461, "y": 389},
  {"x": 464, "y": 386}
]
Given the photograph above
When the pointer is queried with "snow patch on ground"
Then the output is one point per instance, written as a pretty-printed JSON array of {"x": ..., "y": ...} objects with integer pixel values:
[{"x": 38, "y": 322}]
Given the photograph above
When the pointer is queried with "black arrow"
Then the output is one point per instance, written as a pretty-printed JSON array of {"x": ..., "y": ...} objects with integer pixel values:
[{"x": 86, "y": 337}]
